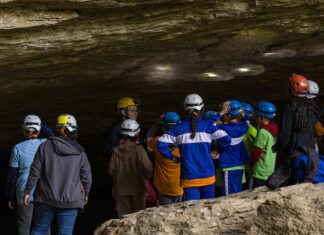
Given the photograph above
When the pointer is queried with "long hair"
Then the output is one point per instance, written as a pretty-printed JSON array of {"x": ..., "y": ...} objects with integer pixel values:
[{"x": 301, "y": 107}]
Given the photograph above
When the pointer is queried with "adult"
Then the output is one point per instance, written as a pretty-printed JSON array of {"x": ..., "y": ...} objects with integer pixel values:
[
  {"x": 62, "y": 174},
  {"x": 21, "y": 159}
]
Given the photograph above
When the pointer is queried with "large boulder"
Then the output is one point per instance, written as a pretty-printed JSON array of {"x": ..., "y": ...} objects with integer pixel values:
[{"x": 296, "y": 209}]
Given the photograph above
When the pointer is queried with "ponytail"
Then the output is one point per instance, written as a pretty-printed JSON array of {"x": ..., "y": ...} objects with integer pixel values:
[{"x": 194, "y": 124}]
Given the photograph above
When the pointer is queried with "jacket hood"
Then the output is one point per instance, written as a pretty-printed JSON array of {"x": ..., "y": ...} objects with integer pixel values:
[
  {"x": 64, "y": 146},
  {"x": 125, "y": 150},
  {"x": 272, "y": 128}
]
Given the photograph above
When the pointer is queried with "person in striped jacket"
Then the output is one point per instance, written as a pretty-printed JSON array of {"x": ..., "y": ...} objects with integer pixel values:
[{"x": 193, "y": 136}]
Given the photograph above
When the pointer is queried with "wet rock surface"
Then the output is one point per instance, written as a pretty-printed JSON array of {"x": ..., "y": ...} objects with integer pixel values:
[{"x": 292, "y": 210}]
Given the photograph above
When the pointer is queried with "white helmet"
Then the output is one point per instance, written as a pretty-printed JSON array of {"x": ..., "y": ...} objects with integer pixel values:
[
  {"x": 32, "y": 123},
  {"x": 313, "y": 89},
  {"x": 68, "y": 121},
  {"x": 193, "y": 101},
  {"x": 130, "y": 127}
]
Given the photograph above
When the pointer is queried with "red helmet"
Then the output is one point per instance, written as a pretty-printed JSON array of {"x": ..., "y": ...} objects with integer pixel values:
[{"x": 298, "y": 85}]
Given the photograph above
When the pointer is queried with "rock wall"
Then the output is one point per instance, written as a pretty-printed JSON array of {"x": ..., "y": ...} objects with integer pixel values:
[{"x": 296, "y": 209}]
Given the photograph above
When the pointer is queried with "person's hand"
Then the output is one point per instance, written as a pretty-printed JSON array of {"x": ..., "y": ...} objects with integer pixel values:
[
  {"x": 176, "y": 159},
  {"x": 26, "y": 200},
  {"x": 225, "y": 108},
  {"x": 215, "y": 154},
  {"x": 85, "y": 200},
  {"x": 12, "y": 204}
]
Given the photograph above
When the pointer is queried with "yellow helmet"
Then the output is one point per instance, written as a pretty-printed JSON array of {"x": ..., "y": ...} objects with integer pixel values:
[{"x": 125, "y": 102}]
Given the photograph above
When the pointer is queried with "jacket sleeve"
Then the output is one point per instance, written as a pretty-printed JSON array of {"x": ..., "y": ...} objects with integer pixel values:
[
  {"x": 164, "y": 142},
  {"x": 112, "y": 139},
  {"x": 286, "y": 127},
  {"x": 256, "y": 154},
  {"x": 146, "y": 165},
  {"x": 153, "y": 131},
  {"x": 111, "y": 165},
  {"x": 319, "y": 129},
  {"x": 85, "y": 174},
  {"x": 13, "y": 174},
  {"x": 223, "y": 139},
  {"x": 35, "y": 171}
]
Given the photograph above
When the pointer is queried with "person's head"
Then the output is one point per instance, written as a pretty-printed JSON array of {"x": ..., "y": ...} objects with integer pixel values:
[
  {"x": 66, "y": 125},
  {"x": 209, "y": 114},
  {"x": 313, "y": 89},
  {"x": 127, "y": 108},
  {"x": 31, "y": 126},
  {"x": 265, "y": 111},
  {"x": 169, "y": 120},
  {"x": 298, "y": 85},
  {"x": 249, "y": 111},
  {"x": 193, "y": 105},
  {"x": 129, "y": 129},
  {"x": 234, "y": 112}
]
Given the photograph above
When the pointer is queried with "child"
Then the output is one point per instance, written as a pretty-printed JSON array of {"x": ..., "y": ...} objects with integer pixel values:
[
  {"x": 19, "y": 166},
  {"x": 233, "y": 160},
  {"x": 248, "y": 139},
  {"x": 167, "y": 172},
  {"x": 130, "y": 168},
  {"x": 193, "y": 136},
  {"x": 263, "y": 157}
]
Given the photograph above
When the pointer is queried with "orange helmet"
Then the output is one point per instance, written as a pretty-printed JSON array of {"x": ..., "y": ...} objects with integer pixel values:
[{"x": 298, "y": 85}]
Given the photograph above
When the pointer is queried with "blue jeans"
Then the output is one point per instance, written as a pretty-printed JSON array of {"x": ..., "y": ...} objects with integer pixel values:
[
  {"x": 196, "y": 193},
  {"x": 44, "y": 215},
  {"x": 167, "y": 200},
  {"x": 232, "y": 182}
]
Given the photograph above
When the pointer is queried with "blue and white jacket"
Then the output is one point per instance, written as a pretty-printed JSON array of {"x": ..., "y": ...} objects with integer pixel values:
[
  {"x": 197, "y": 168},
  {"x": 236, "y": 154}
]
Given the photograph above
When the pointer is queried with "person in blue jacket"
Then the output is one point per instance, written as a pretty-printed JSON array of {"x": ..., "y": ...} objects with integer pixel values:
[
  {"x": 19, "y": 166},
  {"x": 193, "y": 136},
  {"x": 233, "y": 160}
]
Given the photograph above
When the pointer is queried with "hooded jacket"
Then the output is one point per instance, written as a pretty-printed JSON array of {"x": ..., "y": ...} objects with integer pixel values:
[
  {"x": 62, "y": 173},
  {"x": 290, "y": 138},
  {"x": 130, "y": 168}
]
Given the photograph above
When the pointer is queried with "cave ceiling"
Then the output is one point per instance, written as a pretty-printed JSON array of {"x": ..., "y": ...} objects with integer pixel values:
[{"x": 80, "y": 56}]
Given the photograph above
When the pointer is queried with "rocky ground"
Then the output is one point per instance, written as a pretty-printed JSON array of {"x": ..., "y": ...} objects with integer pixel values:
[{"x": 296, "y": 209}]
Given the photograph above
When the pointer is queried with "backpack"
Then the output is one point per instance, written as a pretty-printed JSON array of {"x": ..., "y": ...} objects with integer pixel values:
[{"x": 283, "y": 175}]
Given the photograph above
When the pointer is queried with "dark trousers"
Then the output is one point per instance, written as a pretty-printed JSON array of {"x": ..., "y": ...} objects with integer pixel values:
[
  {"x": 167, "y": 200},
  {"x": 24, "y": 218},
  {"x": 258, "y": 182}
]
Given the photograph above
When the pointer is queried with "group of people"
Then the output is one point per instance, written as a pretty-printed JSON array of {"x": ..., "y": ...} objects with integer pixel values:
[{"x": 204, "y": 155}]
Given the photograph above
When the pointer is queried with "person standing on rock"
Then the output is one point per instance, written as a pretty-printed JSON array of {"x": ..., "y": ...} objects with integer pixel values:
[
  {"x": 62, "y": 173},
  {"x": 193, "y": 136},
  {"x": 130, "y": 169},
  {"x": 166, "y": 177},
  {"x": 19, "y": 166},
  {"x": 263, "y": 156}
]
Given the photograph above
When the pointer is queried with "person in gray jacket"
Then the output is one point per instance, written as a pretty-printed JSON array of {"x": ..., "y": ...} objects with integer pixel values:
[{"x": 62, "y": 175}]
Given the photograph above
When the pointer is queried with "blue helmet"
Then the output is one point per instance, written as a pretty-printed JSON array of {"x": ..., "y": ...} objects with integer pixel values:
[
  {"x": 265, "y": 109},
  {"x": 170, "y": 118},
  {"x": 235, "y": 107},
  {"x": 248, "y": 109},
  {"x": 209, "y": 114}
]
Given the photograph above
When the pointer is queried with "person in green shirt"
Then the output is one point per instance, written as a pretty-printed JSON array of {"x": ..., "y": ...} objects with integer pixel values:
[{"x": 263, "y": 157}]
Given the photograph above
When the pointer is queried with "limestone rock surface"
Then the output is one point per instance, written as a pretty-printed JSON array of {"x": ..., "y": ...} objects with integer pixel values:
[{"x": 295, "y": 209}]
